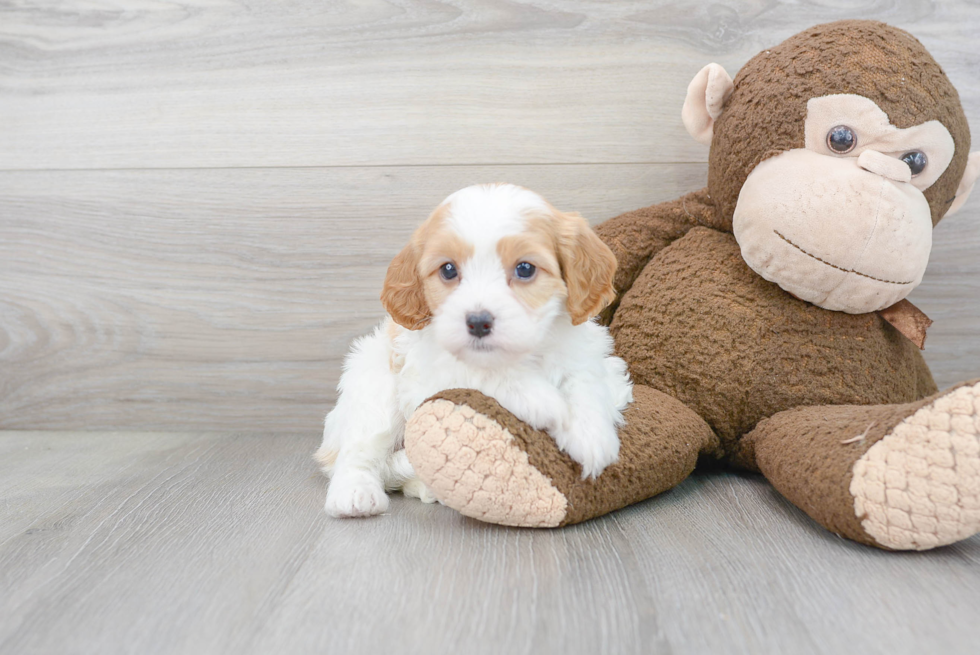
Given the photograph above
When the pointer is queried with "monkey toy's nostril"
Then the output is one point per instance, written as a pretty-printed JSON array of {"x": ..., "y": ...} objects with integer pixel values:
[
  {"x": 885, "y": 166},
  {"x": 479, "y": 325}
]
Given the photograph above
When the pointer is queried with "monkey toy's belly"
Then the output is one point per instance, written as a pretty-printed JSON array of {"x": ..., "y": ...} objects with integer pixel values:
[{"x": 700, "y": 325}]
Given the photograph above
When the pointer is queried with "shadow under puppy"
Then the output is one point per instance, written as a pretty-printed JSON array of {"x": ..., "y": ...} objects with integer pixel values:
[{"x": 494, "y": 292}]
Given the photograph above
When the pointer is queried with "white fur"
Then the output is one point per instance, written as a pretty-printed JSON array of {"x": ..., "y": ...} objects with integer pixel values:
[{"x": 553, "y": 375}]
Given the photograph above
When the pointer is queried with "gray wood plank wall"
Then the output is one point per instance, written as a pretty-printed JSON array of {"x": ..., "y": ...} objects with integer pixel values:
[{"x": 198, "y": 200}]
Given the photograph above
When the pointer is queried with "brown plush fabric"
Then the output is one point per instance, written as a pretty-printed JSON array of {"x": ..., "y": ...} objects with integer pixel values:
[
  {"x": 701, "y": 326},
  {"x": 808, "y": 454},
  {"x": 659, "y": 448},
  {"x": 715, "y": 350},
  {"x": 764, "y": 116},
  {"x": 636, "y": 236}
]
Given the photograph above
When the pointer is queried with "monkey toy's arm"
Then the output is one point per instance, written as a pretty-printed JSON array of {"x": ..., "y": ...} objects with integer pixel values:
[{"x": 637, "y": 236}]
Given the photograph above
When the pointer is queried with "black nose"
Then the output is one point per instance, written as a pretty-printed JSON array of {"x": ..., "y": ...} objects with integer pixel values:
[{"x": 479, "y": 325}]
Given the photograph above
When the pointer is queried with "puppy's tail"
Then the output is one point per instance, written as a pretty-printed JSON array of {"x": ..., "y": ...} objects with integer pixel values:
[{"x": 396, "y": 470}]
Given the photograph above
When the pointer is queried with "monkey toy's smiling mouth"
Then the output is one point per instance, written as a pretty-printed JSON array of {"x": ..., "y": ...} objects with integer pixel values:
[
  {"x": 841, "y": 219},
  {"x": 839, "y": 268},
  {"x": 832, "y": 232}
]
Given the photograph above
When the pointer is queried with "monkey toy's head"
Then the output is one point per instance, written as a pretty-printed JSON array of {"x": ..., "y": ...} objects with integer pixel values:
[{"x": 833, "y": 156}]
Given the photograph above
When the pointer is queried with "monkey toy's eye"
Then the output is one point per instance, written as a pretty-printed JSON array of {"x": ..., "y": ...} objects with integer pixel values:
[
  {"x": 524, "y": 270},
  {"x": 448, "y": 271},
  {"x": 916, "y": 160},
  {"x": 841, "y": 139}
]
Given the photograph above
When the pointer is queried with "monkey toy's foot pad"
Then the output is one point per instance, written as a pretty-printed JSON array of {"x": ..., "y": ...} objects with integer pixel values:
[
  {"x": 919, "y": 486},
  {"x": 475, "y": 465},
  {"x": 484, "y": 462}
]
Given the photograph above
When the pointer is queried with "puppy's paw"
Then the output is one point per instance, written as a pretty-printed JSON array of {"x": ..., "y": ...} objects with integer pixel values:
[
  {"x": 592, "y": 444},
  {"x": 354, "y": 495},
  {"x": 415, "y": 488}
]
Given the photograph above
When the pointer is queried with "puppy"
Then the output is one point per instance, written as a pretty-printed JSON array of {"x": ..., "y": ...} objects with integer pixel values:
[{"x": 494, "y": 292}]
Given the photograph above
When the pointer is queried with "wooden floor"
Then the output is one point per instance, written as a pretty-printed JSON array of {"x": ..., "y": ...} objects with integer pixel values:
[{"x": 208, "y": 543}]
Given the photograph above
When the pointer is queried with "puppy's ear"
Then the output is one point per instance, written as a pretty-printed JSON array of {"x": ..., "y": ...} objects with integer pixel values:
[
  {"x": 587, "y": 266},
  {"x": 403, "y": 295}
]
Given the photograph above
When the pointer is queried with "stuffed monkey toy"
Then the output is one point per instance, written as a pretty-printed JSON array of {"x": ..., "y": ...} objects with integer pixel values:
[{"x": 764, "y": 318}]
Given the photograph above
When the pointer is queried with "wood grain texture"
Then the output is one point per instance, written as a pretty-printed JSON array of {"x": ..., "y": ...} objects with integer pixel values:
[
  {"x": 226, "y": 299},
  {"x": 205, "y": 83},
  {"x": 198, "y": 198},
  {"x": 207, "y": 543},
  {"x": 222, "y": 299}
]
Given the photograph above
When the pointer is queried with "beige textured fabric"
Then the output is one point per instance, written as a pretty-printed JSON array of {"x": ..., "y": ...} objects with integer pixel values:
[
  {"x": 885, "y": 166},
  {"x": 826, "y": 230},
  {"x": 875, "y": 133},
  {"x": 919, "y": 486},
  {"x": 876, "y": 61},
  {"x": 706, "y": 96},
  {"x": 494, "y": 481},
  {"x": 659, "y": 446},
  {"x": 967, "y": 184}
]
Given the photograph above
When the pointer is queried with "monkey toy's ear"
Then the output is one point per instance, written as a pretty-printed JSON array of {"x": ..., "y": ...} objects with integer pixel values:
[
  {"x": 967, "y": 183},
  {"x": 706, "y": 94}
]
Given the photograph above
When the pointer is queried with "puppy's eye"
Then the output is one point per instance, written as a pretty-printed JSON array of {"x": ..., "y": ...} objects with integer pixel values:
[
  {"x": 524, "y": 270},
  {"x": 916, "y": 160},
  {"x": 448, "y": 271},
  {"x": 841, "y": 139}
]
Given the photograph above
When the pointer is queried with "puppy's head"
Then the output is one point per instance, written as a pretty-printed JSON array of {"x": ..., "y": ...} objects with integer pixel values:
[{"x": 492, "y": 268}]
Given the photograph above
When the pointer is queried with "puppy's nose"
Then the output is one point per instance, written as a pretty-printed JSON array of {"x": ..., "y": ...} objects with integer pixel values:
[{"x": 479, "y": 325}]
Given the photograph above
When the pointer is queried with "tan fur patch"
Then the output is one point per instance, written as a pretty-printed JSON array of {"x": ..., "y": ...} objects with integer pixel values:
[
  {"x": 396, "y": 360},
  {"x": 588, "y": 267},
  {"x": 536, "y": 246},
  {"x": 326, "y": 458},
  {"x": 919, "y": 486},
  {"x": 408, "y": 294},
  {"x": 472, "y": 464},
  {"x": 403, "y": 295},
  {"x": 442, "y": 245}
]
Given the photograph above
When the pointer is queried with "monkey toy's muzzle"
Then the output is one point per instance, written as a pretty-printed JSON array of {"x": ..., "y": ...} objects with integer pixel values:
[{"x": 847, "y": 234}]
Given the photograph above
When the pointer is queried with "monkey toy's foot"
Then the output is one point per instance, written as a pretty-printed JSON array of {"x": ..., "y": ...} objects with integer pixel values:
[
  {"x": 919, "y": 487},
  {"x": 900, "y": 477},
  {"x": 482, "y": 461}
]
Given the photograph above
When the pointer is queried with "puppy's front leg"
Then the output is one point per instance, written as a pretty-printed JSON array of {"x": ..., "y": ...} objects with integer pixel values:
[
  {"x": 590, "y": 434},
  {"x": 355, "y": 487},
  {"x": 360, "y": 433},
  {"x": 536, "y": 402}
]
